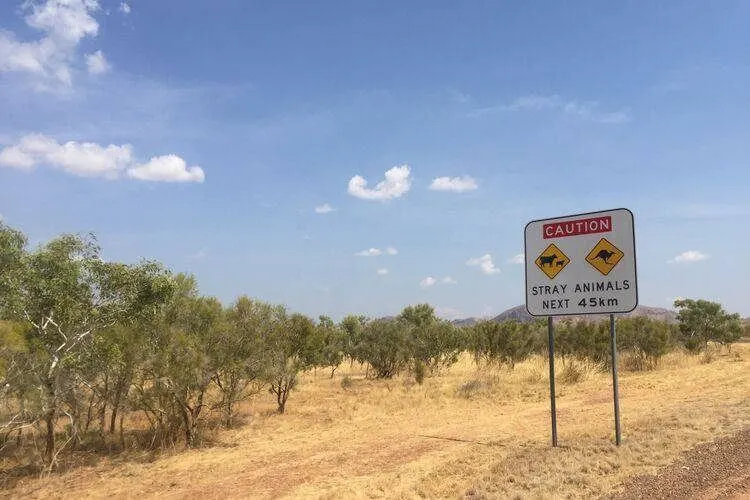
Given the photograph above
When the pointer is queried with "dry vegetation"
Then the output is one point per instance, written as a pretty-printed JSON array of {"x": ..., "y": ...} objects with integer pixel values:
[{"x": 467, "y": 432}]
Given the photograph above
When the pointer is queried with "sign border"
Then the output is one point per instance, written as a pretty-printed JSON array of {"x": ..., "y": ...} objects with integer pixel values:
[{"x": 526, "y": 273}]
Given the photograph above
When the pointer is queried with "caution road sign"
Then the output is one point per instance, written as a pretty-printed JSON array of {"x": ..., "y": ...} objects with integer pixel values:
[
  {"x": 552, "y": 261},
  {"x": 604, "y": 256},
  {"x": 596, "y": 251}
]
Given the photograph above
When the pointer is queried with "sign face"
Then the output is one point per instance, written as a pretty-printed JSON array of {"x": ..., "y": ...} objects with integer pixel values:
[
  {"x": 552, "y": 261},
  {"x": 581, "y": 264}
]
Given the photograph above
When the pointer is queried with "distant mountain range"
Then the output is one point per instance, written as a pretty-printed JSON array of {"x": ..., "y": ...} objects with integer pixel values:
[{"x": 520, "y": 314}]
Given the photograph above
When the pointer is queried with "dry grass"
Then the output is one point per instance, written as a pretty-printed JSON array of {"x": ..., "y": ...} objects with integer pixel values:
[{"x": 442, "y": 439}]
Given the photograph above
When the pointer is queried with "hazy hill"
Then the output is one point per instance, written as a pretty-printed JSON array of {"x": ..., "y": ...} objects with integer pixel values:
[{"x": 519, "y": 313}]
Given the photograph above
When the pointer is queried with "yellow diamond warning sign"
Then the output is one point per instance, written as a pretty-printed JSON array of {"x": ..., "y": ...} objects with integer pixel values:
[
  {"x": 552, "y": 261},
  {"x": 604, "y": 256}
]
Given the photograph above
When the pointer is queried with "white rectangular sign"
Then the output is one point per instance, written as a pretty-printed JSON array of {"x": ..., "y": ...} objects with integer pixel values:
[{"x": 581, "y": 264}]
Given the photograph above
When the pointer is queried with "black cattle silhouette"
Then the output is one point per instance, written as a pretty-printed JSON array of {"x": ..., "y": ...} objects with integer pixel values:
[
  {"x": 560, "y": 263},
  {"x": 604, "y": 255},
  {"x": 547, "y": 260}
]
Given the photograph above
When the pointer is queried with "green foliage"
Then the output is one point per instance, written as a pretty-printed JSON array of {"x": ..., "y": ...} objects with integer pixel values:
[
  {"x": 702, "y": 321},
  {"x": 293, "y": 345},
  {"x": 238, "y": 353},
  {"x": 434, "y": 343},
  {"x": 334, "y": 343},
  {"x": 386, "y": 345},
  {"x": 583, "y": 339},
  {"x": 646, "y": 340},
  {"x": 352, "y": 327},
  {"x": 179, "y": 363},
  {"x": 12, "y": 253},
  {"x": 509, "y": 342}
]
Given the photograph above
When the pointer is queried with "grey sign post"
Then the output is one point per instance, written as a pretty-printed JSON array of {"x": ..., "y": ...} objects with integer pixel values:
[{"x": 581, "y": 264}]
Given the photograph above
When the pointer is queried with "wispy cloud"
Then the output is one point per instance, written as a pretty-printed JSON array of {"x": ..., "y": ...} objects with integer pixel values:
[
  {"x": 382, "y": 271},
  {"x": 587, "y": 110},
  {"x": 428, "y": 282},
  {"x": 448, "y": 281},
  {"x": 484, "y": 263},
  {"x": 516, "y": 259},
  {"x": 688, "y": 256},
  {"x": 370, "y": 252},
  {"x": 376, "y": 252},
  {"x": 97, "y": 64},
  {"x": 325, "y": 208},
  {"x": 200, "y": 254},
  {"x": 124, "y": 8},
  {"x": 454, "y": 184},
  {"x": 397, "y": 183}
]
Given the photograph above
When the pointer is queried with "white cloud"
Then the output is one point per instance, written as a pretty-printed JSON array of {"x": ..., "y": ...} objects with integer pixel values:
[
  {"x": 397, "y": 183},
  {"x": 88, "y": 159},
  {"x": 517, "y": 259},
  {"x": 124, "y": 8},
  {"x": 428, "y": 282},
  {"x": 50, "y": 59},
  {"x": 370, "y": 252},
  {"x": 325, "y": 208},
  {"x": 688, "y": 256},
  {"x": 85, "y": 159},
  {"x": 167, "y": 168},
  {"x": 484, "y": 263},
  {"x": 97, "y": 64},
  {"x": 454, "y": 184},
  {"x": 382, "y": 272},
  {"x": 391, "y": 251},
  {"x": 449, "y": 281}
]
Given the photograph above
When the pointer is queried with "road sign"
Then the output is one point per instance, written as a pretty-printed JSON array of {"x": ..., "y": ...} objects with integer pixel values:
[
  {"x": 581, "y": 264},
  {"x": 604, "y": 256},
  {"x": 552, "y": 261}
]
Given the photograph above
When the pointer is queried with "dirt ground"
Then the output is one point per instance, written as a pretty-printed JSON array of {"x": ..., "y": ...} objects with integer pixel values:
[
  {"x": 719, "y": 469},
  {"x": 466, "y": 433}
]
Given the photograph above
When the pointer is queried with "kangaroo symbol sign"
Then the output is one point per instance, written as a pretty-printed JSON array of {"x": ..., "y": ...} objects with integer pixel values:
[{"x": 581, "y": 264}]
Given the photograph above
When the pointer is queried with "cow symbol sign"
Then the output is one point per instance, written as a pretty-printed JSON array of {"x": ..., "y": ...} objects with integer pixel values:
[{"x": 552, "y": 261}]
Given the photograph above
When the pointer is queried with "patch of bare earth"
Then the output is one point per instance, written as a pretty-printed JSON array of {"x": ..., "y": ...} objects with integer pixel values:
[{"x": 716, "y": 470}]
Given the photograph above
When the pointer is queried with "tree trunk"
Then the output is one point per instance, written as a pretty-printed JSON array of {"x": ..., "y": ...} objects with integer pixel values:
[
  {"x": 49, "y": 448},
  {"x": 112, "y": 419},
  {"x": 50, "y": 415}
]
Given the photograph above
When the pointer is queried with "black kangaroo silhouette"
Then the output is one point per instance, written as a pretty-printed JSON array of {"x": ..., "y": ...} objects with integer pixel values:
[
  {"x": 604, "y": 255},
  {"x": 547, "y": 260}
]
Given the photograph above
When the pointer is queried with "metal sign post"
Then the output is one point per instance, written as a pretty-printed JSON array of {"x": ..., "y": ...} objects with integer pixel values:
[
  {"x": 615, "y": 389},
  {"x": 577, "y": 265},
  {"x": 553, "y": 411}
]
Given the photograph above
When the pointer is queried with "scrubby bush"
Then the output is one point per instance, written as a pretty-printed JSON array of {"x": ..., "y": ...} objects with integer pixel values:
[
  {"x": 509, "y": 342},
  {"x": 386, "y": 345},
  {"x": 645, "y": 340},
  {"x": 702, "y": 321}
]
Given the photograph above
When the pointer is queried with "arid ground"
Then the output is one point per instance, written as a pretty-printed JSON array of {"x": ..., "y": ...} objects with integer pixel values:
[{"x": 467, "y": 432}]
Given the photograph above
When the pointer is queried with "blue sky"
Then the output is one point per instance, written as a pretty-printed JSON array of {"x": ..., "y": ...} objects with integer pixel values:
[{"x": 205, "y": 134}]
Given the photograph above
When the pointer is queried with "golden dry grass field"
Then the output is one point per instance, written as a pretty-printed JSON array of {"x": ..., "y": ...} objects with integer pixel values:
[{"x": 396, "y": 439}]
